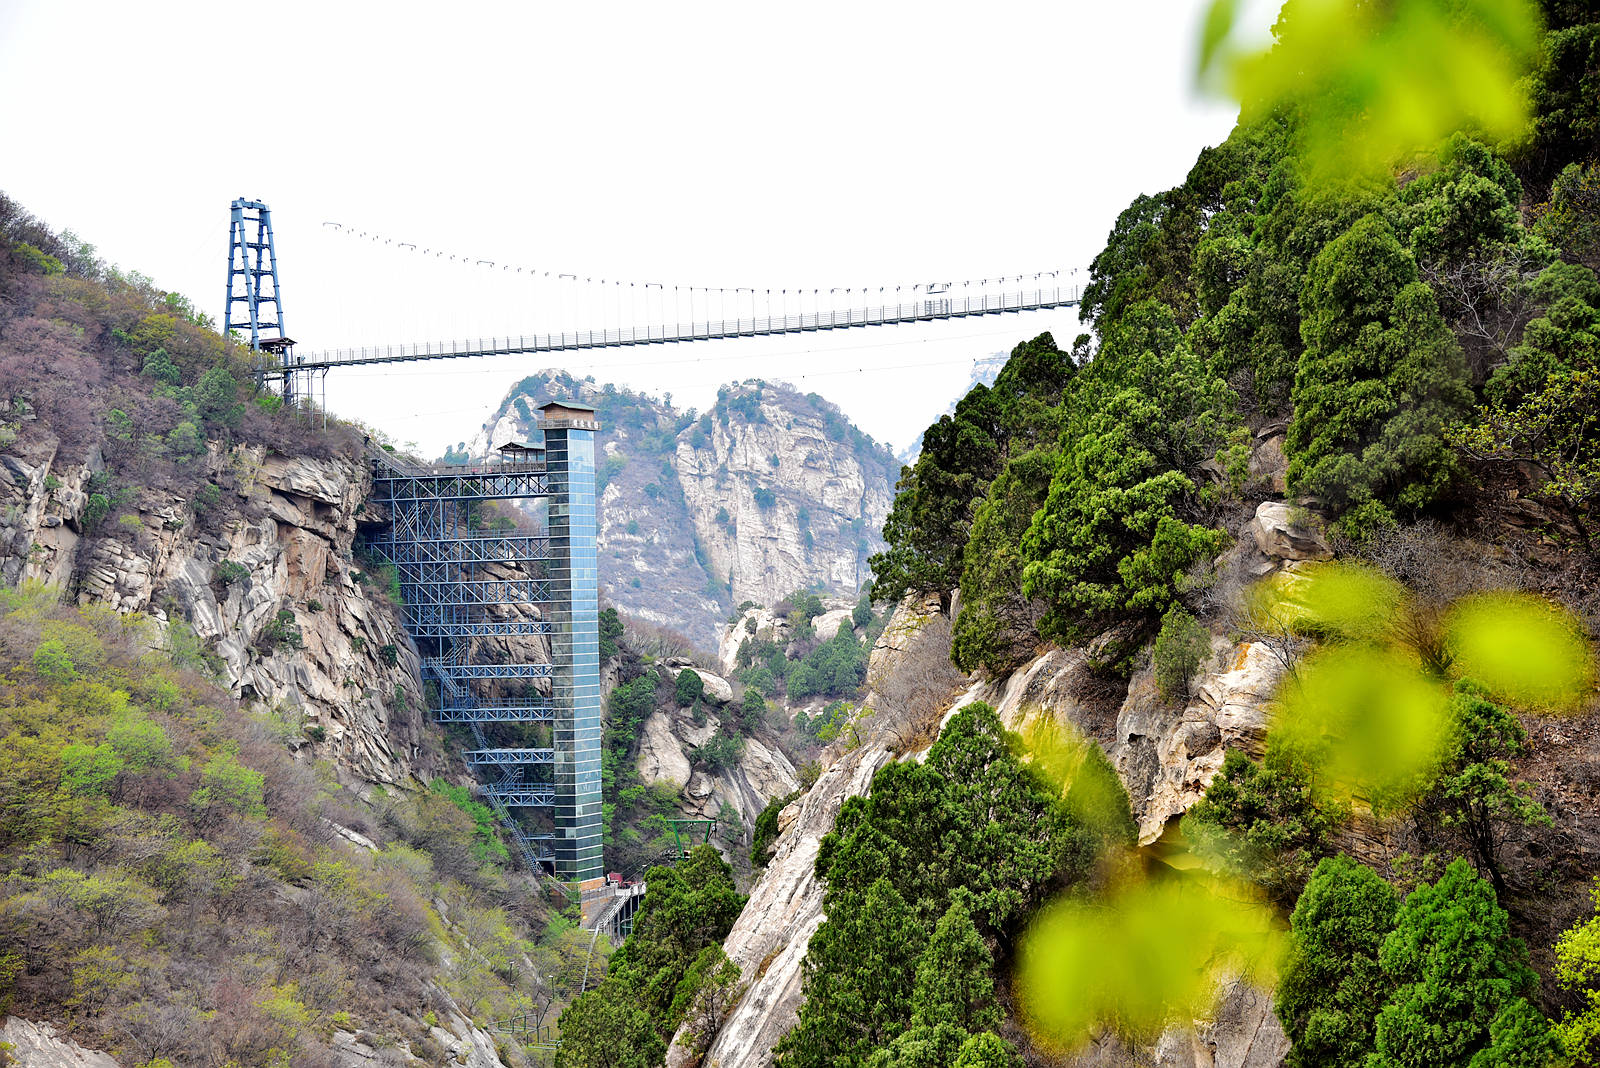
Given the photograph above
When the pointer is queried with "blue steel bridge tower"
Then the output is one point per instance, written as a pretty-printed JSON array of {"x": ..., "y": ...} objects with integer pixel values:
[{"x": 535, "y": 725}]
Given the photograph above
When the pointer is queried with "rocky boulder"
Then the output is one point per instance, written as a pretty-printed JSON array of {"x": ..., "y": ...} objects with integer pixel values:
[
  {"x": 667, "y": 741},
  {"x": 1167, "y": 756},
  {"x": 756, "y": 622},
  {"x": 717, "y": 689},
  {"x": 828, "y": 623},
  {"x": 1269, "y": 465},
  {"x": 662, "y": 757},
  {"x": 1287, "y": 532}
]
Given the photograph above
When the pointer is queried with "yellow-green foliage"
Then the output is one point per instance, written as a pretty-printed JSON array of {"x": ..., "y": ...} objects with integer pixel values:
[
  {"x": 1367, "y": 719},
  {"x": 1139, "y": 958},
  {"x": 1368, "y": 710},
  {"x": 1523, "y": 648},
  {"x": 1375, "y": 83},
  {"x": 1578, "y": 968},
  {"x": 169, "y": 886},
  {"x": 1382, "y": 713}
]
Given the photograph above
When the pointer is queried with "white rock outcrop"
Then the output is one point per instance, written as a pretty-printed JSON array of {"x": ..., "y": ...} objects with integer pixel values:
[
  {"x": 756, "y": 623},
  {"x": 1243, "y": 1032},
  {"x": 788, "y": 525},
  {"x": 667, "y": 740},
  {"x": 37, "y": 1045},
  {"x": 1286, "y": 532},
  {"x": 661, "y": 752},
  {"x": 769, "y": 940},
  {"x": 828, "y": 623},
  {"x": 464, "y": 1045},
  {"x": 1167, "y": 756}
]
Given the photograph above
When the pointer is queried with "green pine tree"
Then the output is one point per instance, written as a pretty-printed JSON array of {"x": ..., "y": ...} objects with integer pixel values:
[
  {"x": 1378, "y": 381},
  {"x": 955, "y": 981},
  {"x": 1332, "y": 984},
  {"x": 1456, "y": 969}
]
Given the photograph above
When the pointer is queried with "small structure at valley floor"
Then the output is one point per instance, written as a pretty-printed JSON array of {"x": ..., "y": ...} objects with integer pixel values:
[{"x": 684, "y": 832}]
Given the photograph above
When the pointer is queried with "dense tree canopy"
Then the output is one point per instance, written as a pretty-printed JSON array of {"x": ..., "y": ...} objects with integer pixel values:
[
  {"x": 939, "y": 863},
  {"x": 1369, "y": 313},
  {"x": 1378, "y": 381},
  {"x": 1432, "y": 982},
  {"x": 628, "y": 1019},
  {"x": 961, "y": 453},
  {"x": 1459, "y": 983},
  {"x": 1115, "y": 533}
]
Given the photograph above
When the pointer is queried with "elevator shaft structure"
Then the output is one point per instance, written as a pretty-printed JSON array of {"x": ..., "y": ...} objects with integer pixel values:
[{"x": 469, "y": 594}]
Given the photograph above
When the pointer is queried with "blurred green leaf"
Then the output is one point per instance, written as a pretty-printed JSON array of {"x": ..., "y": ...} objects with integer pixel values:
[
  {"x": 1526, "y": 650},
  {"x": 1215, "y": 31},
  {"x": 1333, "y": 600},
  {"x": 1375, "y": 83},
  {"x": 1367, "y": 720},
  {"x": 1094, "y": 794},
  {"x": 1151, "y": 954}
]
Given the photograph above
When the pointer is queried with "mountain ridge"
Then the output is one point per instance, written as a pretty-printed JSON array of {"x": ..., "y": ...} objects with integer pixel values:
[{"x": 767, "y": 492}]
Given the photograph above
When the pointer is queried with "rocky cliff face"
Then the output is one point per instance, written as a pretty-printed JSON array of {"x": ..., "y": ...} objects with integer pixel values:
[
  {"x": 769, "y": 940},
  {"x": 800, "y": 506},
  {"x": 668, "y": 737},
  {"x": 267, "y": 581},
  {"x": 37, "y": 1045},
  {"x": 768, "y": 492},
  {"x": 261, "y": 590},
  {"x": 1166, "y": 753}
]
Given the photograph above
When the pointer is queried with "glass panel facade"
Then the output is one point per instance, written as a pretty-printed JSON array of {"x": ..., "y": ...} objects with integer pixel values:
[{"x": 575, "y": 649}]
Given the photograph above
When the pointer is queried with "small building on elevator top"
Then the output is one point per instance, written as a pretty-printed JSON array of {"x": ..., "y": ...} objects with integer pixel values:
[{"x": 568, "y": 413}]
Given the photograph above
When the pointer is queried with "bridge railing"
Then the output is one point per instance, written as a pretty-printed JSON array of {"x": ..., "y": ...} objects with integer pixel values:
[{"x": 926, "y": 309}]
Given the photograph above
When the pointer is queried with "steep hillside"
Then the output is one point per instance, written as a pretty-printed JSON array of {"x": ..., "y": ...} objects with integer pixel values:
[
  {"x": 1298, "y": 546},
  {"x": 177, "y": 885},
  {"x": 140, "y": 469},
  {"x": 226, "y": 833},
  {"x": 769, "y": 492}
]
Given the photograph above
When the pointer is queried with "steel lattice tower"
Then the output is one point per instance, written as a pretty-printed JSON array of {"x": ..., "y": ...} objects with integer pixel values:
[
  {"x": 536, "y": 726},
  {"x": 253, "y": 283},
  {"x": 253, "y": 261}
]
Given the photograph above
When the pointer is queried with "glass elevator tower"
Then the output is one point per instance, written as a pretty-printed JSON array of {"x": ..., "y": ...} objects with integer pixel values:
[{"x": 467, "y": 587}]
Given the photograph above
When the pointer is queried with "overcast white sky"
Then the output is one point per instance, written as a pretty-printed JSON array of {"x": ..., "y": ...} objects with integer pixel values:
[{"x": 747, "y": 144}]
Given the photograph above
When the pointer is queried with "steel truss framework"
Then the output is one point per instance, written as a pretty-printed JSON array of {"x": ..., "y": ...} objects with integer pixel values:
[
  {"x": 253, "y": 277},
  {"x": 460, "y": 586}
]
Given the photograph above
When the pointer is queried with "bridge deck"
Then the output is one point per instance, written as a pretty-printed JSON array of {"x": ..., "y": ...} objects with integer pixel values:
[{"x": 929, "y": 310}]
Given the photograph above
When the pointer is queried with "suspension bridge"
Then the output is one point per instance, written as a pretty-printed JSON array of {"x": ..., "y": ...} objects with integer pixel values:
[
  {"x": 621, "y": 313},
  {"x": 929, "y": 308},
  {"x": 535, "y": 726}
]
